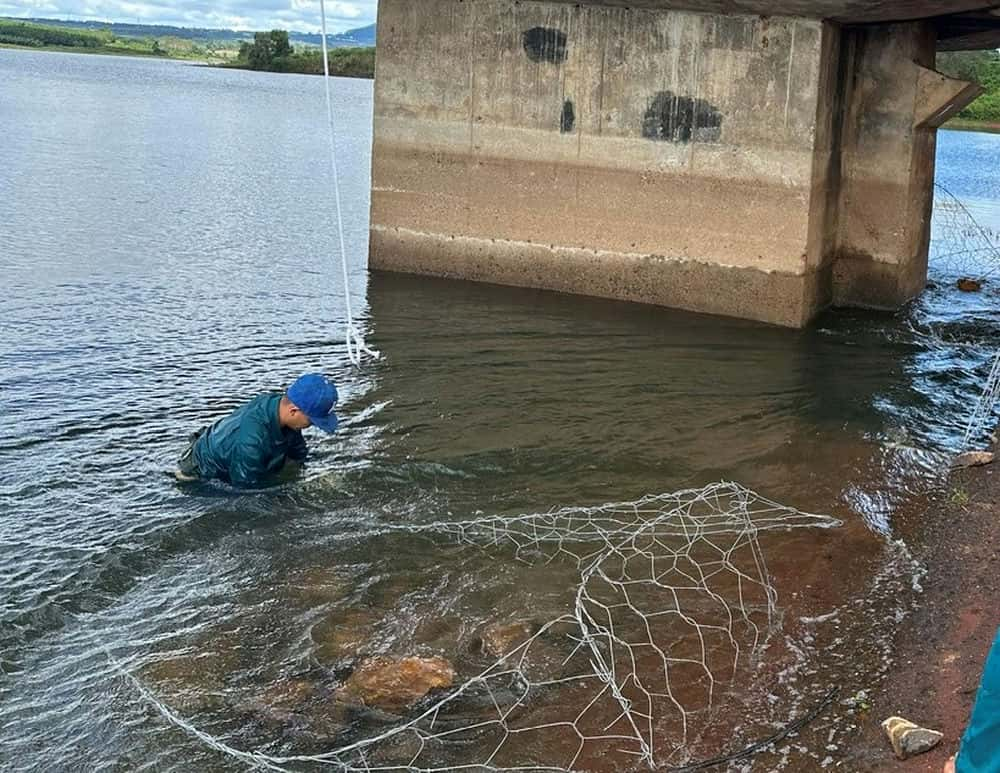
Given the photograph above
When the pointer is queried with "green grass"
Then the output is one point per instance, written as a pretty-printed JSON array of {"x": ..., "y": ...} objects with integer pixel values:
[
  {"x": 75, "y": 49},
  {"x": 43, "y": 37},
  {"x": 986, "y": 109},
  {"x": 19, "y": 33},
  {"x": 959, "y": 497}
]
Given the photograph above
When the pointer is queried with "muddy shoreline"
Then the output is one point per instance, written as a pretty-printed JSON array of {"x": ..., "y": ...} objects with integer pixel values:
[{"x": 940, "y": 648}]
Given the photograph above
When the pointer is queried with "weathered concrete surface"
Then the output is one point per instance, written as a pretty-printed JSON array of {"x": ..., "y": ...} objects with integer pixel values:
[
  {"x": 895, "y": 102},
  {"x": 845, "y": 11},
  {"x": 686, "y": 178},
  {"x": 961, "y": 24},
  {"x": 976, "y": 30},
  {"x": 660, "y": 156}
]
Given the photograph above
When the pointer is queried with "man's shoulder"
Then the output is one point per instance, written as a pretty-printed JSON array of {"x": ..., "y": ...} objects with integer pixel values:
[
  {"x": 263, "y": 400},
  {"x": 258, "y": 409},
  {"x": 259, "y": 416}
]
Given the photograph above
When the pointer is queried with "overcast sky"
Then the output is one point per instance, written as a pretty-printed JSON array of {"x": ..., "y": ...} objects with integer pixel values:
[{"x": 231, "y": 14}]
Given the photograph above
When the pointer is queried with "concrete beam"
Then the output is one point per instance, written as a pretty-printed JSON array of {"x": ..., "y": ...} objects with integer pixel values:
[
  {"x": 841, "y": 11},
  {"x": 940, "y": 98},
  {"x": 969, "y": 31}
]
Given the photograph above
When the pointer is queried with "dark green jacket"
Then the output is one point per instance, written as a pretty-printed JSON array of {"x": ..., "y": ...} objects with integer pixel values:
[
  {"x": 979, "y": 751},
  {"x": 248, "y": 445}
]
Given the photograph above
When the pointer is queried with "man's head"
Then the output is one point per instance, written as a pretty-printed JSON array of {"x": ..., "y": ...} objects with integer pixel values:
[{"x": 310, "y": 402}]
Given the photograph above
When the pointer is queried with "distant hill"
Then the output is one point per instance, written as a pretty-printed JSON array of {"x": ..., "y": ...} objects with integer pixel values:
[{"x": 362, "y": 36}]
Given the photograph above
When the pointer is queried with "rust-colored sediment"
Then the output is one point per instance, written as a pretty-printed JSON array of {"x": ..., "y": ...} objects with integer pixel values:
[{"x": 941, "y": 648}]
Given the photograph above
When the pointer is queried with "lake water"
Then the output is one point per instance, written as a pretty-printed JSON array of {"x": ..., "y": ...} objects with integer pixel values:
[{"x": 168, "y": 250}]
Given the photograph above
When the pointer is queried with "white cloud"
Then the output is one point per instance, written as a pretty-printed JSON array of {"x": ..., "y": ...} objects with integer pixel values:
[
  {"x": 302, "y": 15},
  {"x": 333, "y": 9}
]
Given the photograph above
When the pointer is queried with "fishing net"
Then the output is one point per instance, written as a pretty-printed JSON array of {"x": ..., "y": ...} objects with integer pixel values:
[
  {"x": 965, "y": 255},
  {"x": 962, "y": 248},
  {"x": 964, "y": 353},
  {"x": 983, "y": 419},
  {"x": 671, "y": 604}
]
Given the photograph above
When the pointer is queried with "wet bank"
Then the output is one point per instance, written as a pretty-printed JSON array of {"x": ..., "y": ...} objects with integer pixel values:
[{"x": 940, "y": 648}]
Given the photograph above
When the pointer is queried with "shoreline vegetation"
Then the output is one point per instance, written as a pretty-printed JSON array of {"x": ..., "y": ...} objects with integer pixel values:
[
  {"x": 266, "y": 52},
  {"x": 273, "y": 52},
  {"x": 960, "y": 125},
  {"x": 44, "y": 37},
  {"x": 978, "y": 67}
]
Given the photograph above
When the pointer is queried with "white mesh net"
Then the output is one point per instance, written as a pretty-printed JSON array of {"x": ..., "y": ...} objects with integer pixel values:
[
  {"x": 984, "y": 414},
  {"x": 975, "y": 358},
  {"x": 961, "y": 246},
  {"x": 673, "y": 599}
]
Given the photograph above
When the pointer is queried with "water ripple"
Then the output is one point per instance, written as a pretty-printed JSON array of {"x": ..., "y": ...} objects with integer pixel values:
[{"x": 183, "y": 260}]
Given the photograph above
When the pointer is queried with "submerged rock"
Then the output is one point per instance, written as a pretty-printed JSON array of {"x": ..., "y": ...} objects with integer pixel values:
[
  {"x": 908, "y": 739},
  {"x": 342, "y": 638},
  {"x": 973, "y": 459},
  {"x": 290, "y": 694},
  {"x": 283, "y": 702},
  {"x": 204, "y": 672},
  {"x": 391, "y": 683},
  {"x": 970, "y": 285},
  {"x": 318, "y": 585},
  {"x": 501, "y": 638},
  {"x": 190, "y": 683}
]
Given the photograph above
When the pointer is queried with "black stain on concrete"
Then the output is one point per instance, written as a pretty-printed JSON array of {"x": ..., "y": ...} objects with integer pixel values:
[
  {"x": 673, "y": 118},
  {"x": 568, "y": 118},
  {"x": 545, "y": 44}
]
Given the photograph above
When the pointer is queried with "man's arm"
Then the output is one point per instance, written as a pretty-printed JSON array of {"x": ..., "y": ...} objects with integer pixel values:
[{"x": 297, "y": 450}]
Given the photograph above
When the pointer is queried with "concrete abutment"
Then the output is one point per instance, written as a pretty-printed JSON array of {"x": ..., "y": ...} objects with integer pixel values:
[{"x": 751, "y": 166}]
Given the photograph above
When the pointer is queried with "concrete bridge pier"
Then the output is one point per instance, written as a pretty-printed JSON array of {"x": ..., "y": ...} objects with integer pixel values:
[
  {"x": 895, "y": 102},
  {"x": 754, "y": 166}
]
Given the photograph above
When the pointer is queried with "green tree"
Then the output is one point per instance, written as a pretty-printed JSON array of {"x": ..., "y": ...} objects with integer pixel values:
[
  {"x": 279, "y": 41},
  {"x": 26, "y": 33},
  {"x": 981, "y": 67},
  {"x": 267, "y": 50},
  {"x": 978, "y": 66}
]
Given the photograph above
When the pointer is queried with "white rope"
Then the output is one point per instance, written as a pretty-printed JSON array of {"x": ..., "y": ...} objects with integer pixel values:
[{"x": 354, "y": 339}]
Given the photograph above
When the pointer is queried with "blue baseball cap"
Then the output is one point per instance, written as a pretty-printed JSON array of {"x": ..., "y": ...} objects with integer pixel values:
[{"x": 315, "y": 395}]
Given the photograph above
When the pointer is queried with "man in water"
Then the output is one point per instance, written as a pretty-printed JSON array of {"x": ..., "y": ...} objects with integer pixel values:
[{"x": 256, "y": 440}]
